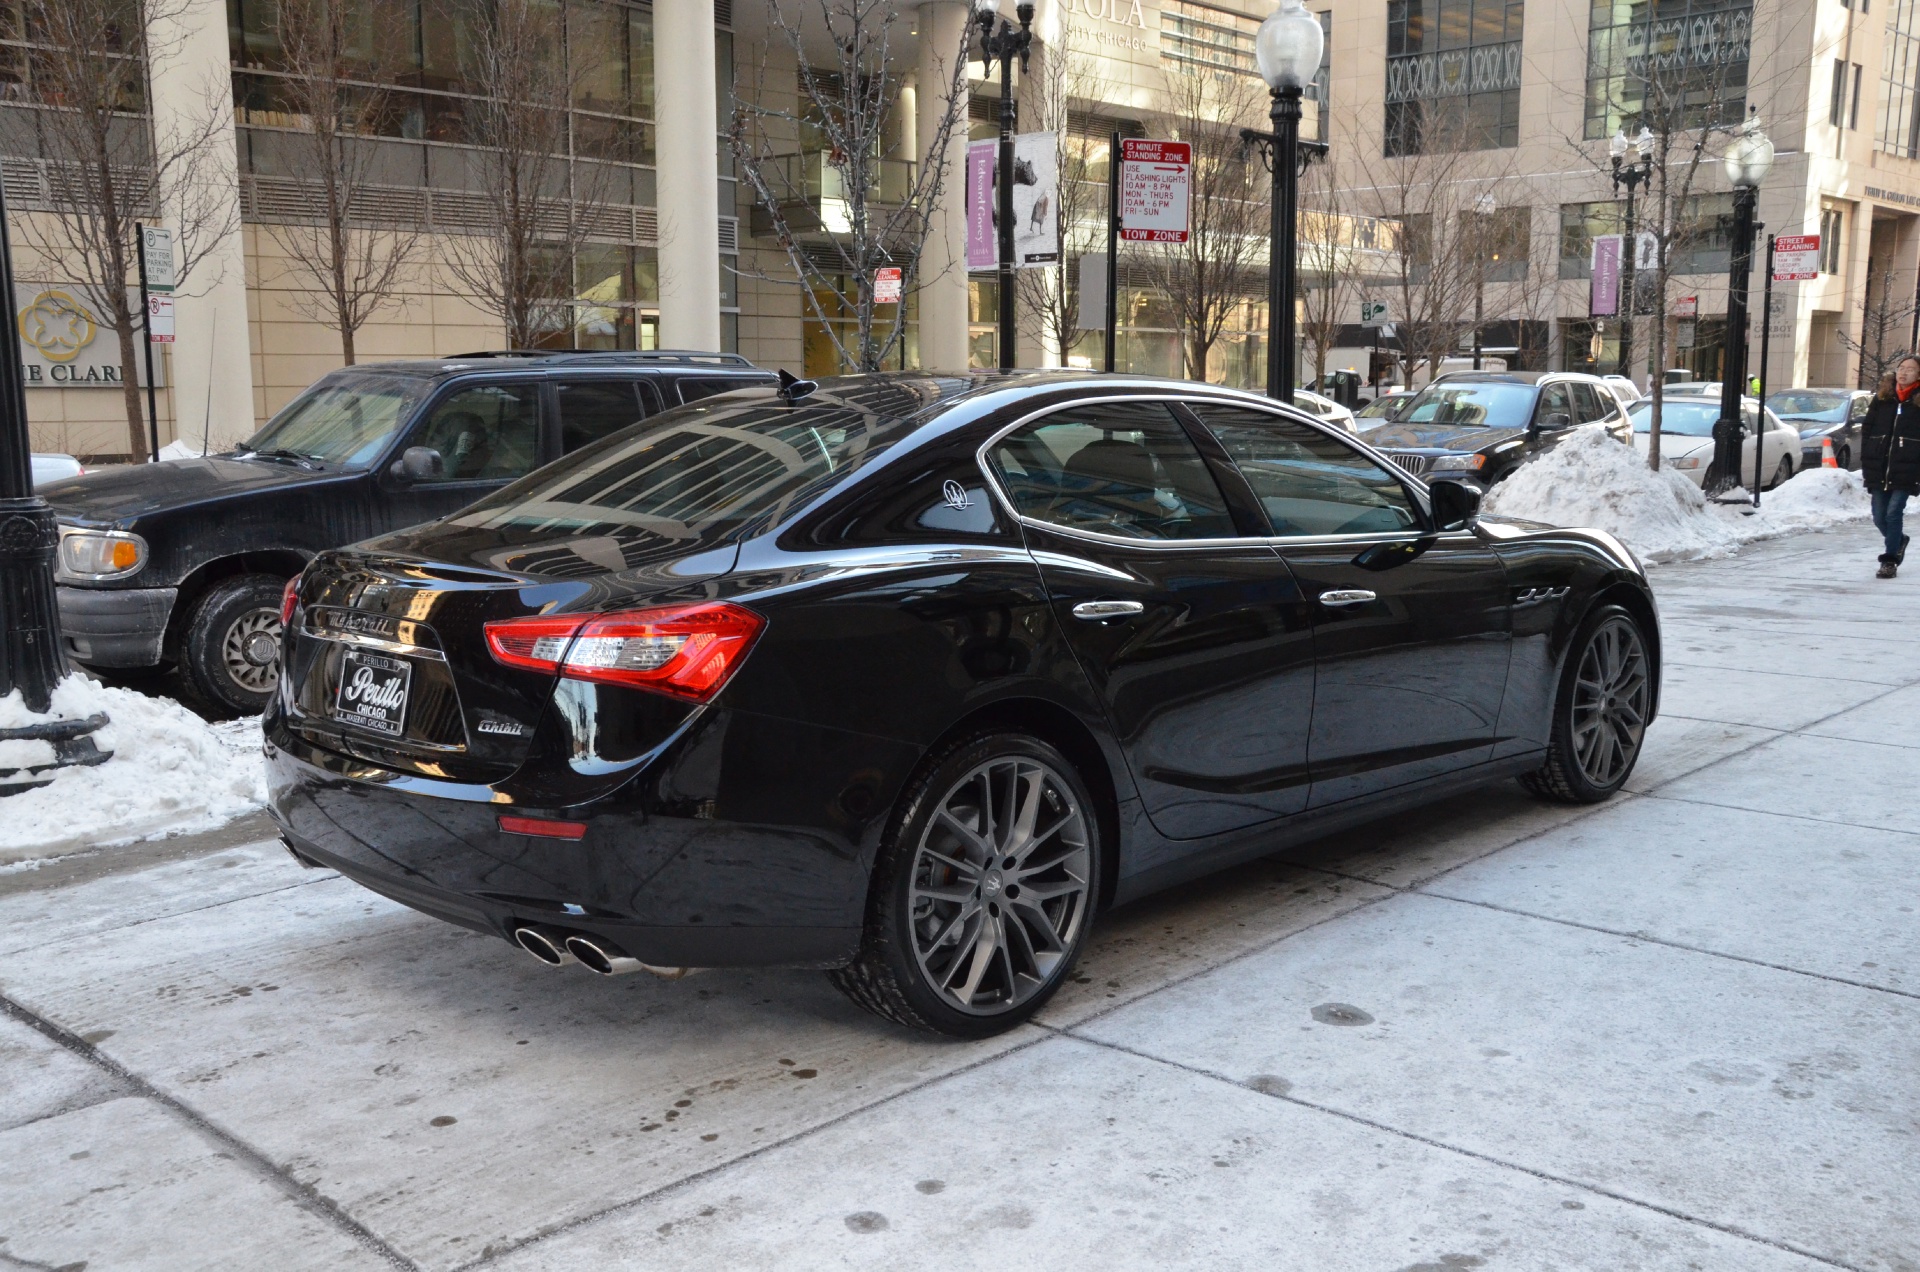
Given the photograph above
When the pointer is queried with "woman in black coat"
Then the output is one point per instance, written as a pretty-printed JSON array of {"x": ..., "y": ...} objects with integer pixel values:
[{"x": 1890, "y": 457}]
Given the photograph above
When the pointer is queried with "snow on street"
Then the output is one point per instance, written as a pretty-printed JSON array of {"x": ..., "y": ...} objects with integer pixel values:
[{"x": 1678, "y": 1030}]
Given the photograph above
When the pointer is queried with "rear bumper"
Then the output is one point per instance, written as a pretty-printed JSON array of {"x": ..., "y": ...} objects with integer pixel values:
[
  {"x": 670, "y": 890},
  {"x": 115, "y": 626}
]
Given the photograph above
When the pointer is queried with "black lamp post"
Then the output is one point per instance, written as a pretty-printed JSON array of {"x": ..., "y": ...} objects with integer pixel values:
[
  {"x": 30, "y": 656},
  {"x": 1632, "y": 164},
  {"x": 1748, "y": 160},
  {"x": 1287, "y": 48},
  {"x": 1001, "y": 42}
]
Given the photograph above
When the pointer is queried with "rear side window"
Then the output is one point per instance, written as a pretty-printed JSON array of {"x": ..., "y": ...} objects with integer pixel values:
[
  {"x": 486, "y": 432},
  {"x": 1309, "y": 483},
  {"x": 591, "y": 409},
  {"x": 692, "y": 390},
  {"x": 1124, "y": 469}
]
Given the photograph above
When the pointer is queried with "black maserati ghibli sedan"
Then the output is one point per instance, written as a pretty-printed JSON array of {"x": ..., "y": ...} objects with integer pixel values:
[{"x": 909, "y": 677}]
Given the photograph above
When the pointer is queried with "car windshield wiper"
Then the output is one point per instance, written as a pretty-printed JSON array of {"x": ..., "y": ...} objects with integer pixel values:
[{"x": 309, "y": 462}]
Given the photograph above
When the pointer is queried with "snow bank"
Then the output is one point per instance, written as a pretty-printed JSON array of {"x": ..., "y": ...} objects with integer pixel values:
[
  {"x": 171, "y": 772},
  {"x": 1592, "y": 480}
]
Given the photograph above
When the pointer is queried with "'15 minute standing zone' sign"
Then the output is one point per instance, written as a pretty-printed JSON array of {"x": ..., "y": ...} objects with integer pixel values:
[{"x": 1156, "y": 179}]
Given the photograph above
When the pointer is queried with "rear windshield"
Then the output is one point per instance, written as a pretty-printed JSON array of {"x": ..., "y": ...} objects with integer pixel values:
[{"x": 694, "y": 471}]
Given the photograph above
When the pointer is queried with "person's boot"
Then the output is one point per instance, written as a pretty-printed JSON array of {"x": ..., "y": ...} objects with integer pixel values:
[
  {"x": 1889, "y": 566},
  {"x": 1900, "y": 557}
]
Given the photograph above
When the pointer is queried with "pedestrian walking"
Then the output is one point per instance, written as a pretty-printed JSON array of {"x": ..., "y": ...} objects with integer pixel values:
[{"x": 1890, "y": 457}]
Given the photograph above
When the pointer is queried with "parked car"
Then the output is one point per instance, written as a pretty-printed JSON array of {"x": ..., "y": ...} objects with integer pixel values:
[
  {"x": 1623, "y": 388},
  {"x": 183, "y": 562},
  {"x": 50, "y": 467},
  {"x": 1686, "y": 437},
  {"x": 1326, "y": 408},
  {"x": 1479, "y": 426},
  {"x": 1824, "y": 415},
  {"x": 1381, "y": 410},
  {"x": 909, "y": 676}
]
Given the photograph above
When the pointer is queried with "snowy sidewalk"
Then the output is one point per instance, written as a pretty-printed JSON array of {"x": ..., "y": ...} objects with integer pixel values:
[{"x": 1675, "y": 1031}]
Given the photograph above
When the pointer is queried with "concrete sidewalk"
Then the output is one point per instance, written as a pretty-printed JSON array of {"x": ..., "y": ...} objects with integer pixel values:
[{"x": 1680, "y": 1030}]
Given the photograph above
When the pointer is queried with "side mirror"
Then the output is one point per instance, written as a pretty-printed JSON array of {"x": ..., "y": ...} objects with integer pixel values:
[
  {"x": 1455, "y": 504},
  {"x": 419, "y": 463},
  {"x": 1558, "y": 419}
]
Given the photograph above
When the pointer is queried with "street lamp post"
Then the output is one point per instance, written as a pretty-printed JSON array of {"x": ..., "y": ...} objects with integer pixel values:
[
  {"x": 1748, "y": 160},
  {"x": 1287, "y": 49},
  {"x": 1001, "y": 42},
  {"x": 30, "y": 656},
  {"x": 1632, "y": 164},
  {"x": 1484, "y": 206}
]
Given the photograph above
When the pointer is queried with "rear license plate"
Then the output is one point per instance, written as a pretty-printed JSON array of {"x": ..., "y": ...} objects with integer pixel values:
[{"x": 373, "y": 691}]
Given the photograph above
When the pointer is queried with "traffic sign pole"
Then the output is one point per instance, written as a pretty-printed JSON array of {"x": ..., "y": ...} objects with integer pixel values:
[
  {"x": 1766, "y": 339},
  {"x": 1113, "y": 248},
  {"x": 146, "y": 329}
]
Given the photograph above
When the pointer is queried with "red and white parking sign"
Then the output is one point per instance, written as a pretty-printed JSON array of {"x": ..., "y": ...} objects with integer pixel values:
[
  {"x": 1796, "y": 258},
  {"x": 1156, "y": 181},
  {"x": 160, "y": 318},
  {"x": 886, "y": 285}
]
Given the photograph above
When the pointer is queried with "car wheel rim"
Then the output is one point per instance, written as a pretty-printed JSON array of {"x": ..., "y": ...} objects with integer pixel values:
[
  {"x": 999, "y": 890},
  {"x": 250, "y": 652},
  {"x": 1610, "y": 695}
]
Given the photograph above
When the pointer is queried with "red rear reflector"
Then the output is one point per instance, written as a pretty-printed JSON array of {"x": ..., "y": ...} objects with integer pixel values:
[
  {"x": 542, "y": 826},
  {"x": 685, "y": 651},
  {"x": 289, "y": 600}
]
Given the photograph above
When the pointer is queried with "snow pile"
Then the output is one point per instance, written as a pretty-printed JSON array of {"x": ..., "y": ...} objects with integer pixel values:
[
  {"x": 1592, "y": 480},
  {"x": 171, "y": 772}
]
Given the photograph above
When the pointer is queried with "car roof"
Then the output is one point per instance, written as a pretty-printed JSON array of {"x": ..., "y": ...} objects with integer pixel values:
[
  {"x": 1514, "y": 377},
  {"x": 680, "y": 360}
]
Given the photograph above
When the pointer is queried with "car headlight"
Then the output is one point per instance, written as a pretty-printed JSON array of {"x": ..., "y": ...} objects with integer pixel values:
[
  {"x": 1459, "y": 464},
  {"x": 98, "y": 555},
  {"x": 1687, "y": 463}
]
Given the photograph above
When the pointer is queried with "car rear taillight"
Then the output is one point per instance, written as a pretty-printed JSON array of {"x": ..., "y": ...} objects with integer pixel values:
[
  {"x": 685, "y": 651},
  {"x": 289, "y": 599}
]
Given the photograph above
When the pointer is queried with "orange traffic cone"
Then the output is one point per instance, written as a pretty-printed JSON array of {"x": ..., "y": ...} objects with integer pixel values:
[{"x": 1826, "y": 453}]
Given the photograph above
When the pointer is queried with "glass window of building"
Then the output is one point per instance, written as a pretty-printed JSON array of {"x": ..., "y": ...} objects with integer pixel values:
[
  {"x": 1672, "y": 64},
  {"x": 1453, "y": 75},
  {"x": 1580, "y": 224},
  {"x": 1898, "y": 132}
]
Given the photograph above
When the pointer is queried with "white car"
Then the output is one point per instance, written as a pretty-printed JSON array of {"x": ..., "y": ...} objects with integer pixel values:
[
  {"x": 50, "y": 467},
  {"x": 1686, "y": 438},
  {"x": 1626, "y": 390},
  {"x": 1326, "y": 408}
]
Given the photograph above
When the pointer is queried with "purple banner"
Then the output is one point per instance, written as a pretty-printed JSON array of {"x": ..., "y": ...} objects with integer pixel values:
[
  {"x": 982, "y": 251},
  {"x": 1605, "y": 298}
]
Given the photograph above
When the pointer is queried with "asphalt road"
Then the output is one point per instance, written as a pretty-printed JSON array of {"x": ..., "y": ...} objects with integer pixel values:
[{"x": 1677, "y": 1031}]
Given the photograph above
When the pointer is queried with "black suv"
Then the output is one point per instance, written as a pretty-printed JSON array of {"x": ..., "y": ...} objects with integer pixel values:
[
  {"x": 1476, "y": 427},
  {"x": 185, "y": 561}
]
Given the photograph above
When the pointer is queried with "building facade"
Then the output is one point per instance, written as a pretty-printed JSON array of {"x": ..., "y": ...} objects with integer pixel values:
[{"x": 1505, "y": 105}]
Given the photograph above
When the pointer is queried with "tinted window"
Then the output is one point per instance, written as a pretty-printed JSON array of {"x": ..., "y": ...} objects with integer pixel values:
[
  {"x": 345, "y": 418},
  {"x": 1493, "y": 404},
  {"x": 1310, "y": 483},
  {"x": 1587, "y": 404},
  {"x": 1125, "y": 469},
  {"x": 591, "y": 409},
  {"x": 488, "y": 431},
  {"x": 1859, "y": 411},
  {"x": 692, "y": 390},
  {"x": 1554, "y": 400}
]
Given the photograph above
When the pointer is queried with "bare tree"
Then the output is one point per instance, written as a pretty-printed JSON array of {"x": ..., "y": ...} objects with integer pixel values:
[
  {"x": 538, "y": 206},
  {"x": 1885, "y": 315},
  {"x": 1329, "y": 263},
  {"x": 1222, "y": 263},
  {"x": 109, "y": 173},
  {"x": 350, "y": 269},
  {"x": 858, "y": 204},
  {"x": 1067, "y": 76}
]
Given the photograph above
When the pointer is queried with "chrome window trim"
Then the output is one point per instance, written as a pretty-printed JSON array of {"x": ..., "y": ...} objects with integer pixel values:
[{"x": 1278, "y": 410}]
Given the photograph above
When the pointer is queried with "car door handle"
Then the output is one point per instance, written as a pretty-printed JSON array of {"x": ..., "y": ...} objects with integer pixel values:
[
  {"x": 1100, "y": 611},
  {"x": 1346, "y": 596}
]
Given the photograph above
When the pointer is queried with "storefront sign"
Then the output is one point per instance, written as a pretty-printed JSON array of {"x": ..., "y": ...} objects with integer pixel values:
[
  {"x": 1156, "y": 179},
  {"x": 1604, "y": 297},
  {"x": 62, "y": 343},
  {"x": 1796, "y": 258},
  {"x": 886, "y": 285}
]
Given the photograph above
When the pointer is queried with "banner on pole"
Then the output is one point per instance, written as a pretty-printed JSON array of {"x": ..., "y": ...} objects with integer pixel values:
[
  {"x": 1156, "y": 184},
  {"x": 1604, "y": 297},
  {"x": 981, "y": 252},
  {"x": 886, "y": 285},
  {"x": 1036, "y": 200},
  {"x": 1796, "y": 258},
  {"x": 160, "y": 318}
]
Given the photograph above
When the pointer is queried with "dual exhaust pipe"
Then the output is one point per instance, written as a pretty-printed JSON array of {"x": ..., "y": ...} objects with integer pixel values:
[{"x": 557, "y": 948}]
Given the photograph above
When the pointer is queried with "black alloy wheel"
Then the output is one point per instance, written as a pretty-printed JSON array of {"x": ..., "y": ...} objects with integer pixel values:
[
  {"x": 983, "y": 894},
  {"x": 1600, "y": 713},
  {"x": 230, "y": 652}
]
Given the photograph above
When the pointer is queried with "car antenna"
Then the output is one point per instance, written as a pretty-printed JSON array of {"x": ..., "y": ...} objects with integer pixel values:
[{"x": 792, "y": 388}]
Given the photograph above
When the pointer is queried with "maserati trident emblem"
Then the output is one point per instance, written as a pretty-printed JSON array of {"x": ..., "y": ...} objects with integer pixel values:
[{"x": 956, "y": 495}]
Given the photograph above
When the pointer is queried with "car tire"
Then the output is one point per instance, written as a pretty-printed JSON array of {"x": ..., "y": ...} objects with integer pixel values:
[
  {"x": 1599, "y": 713},
  {"x": 1844, "y": 459},
  {"x": 1782, "y": 474},
  {"x": 228, "y": 634},
  {"x": 973, "y": 923}
]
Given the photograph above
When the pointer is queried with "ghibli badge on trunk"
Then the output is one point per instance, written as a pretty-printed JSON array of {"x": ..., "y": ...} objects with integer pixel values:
[{"x": 508, "y": 727}]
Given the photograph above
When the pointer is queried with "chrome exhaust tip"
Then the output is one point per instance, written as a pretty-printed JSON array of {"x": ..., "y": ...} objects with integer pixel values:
[
  {"x": 603, "y": 957},
  {"x": 548, "y": 946}
]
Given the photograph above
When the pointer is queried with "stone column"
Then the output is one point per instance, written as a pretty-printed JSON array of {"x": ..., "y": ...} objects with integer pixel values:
[
  {"x": 943, "y": 262},
  {"x": 688, "y": 174},
  {"x": 211, "y": 366}
]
